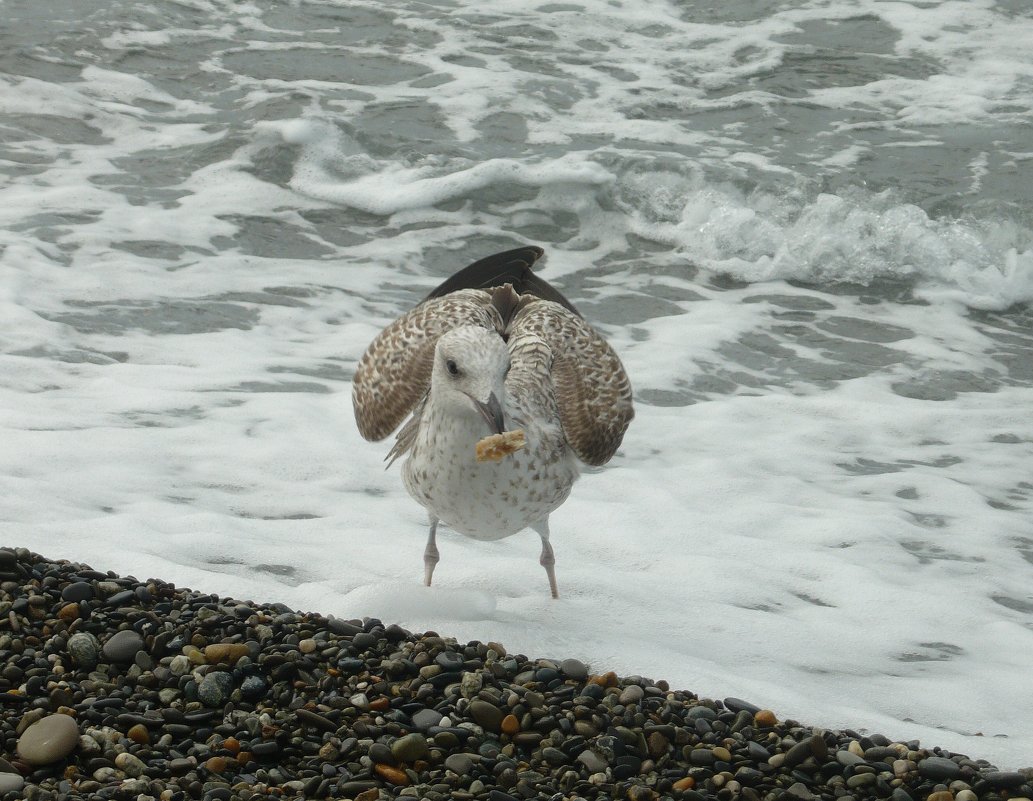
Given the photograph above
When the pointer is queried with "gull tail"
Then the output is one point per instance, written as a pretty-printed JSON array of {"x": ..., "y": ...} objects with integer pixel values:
[{"x": 509, "y": 267}]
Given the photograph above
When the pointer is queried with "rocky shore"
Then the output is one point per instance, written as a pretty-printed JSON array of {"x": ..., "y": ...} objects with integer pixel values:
[{"x": 114, "y": 688}]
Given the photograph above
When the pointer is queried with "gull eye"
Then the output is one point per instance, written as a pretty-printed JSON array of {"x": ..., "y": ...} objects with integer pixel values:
[{"x": 453, "y": 368}]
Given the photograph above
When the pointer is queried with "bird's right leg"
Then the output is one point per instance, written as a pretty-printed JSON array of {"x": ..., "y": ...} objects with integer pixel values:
[{"x": 430, "y": 555}]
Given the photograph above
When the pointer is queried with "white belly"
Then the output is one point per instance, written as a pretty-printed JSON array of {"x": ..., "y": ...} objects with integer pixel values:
[{"x": 487, "y": 500}]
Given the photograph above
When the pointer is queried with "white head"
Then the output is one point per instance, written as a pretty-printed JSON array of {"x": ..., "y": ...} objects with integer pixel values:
[{"x": 470, "y": 366}]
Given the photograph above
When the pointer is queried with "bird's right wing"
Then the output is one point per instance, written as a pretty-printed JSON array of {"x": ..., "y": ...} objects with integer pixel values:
[{"x": 393, "y": 374}]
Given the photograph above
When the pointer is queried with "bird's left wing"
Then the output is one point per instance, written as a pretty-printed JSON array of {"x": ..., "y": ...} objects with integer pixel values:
[
  {"x": 393, "y": 374},
  {"x": 592, "y": 390}
]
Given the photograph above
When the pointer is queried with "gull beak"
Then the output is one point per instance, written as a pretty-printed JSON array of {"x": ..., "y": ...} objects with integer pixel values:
[{"x": 491, "y": 411}]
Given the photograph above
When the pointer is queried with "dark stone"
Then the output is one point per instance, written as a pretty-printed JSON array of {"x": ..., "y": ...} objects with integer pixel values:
[
  {"x": 1004, "y": 779},
  {"x": 939, "y": 768},
  {"x": 450, "y": 662},
  {"x": 77, "y": 591},
  {"x": 739, "y": 705}
]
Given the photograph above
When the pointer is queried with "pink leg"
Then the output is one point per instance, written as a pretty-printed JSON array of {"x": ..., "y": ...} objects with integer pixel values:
[
  {"x": 430, "y": 554},
  {"x": 548, "y": 558}
]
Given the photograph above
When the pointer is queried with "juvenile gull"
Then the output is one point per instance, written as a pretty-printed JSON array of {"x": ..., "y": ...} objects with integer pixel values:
[{"x": 494, "y": 348}]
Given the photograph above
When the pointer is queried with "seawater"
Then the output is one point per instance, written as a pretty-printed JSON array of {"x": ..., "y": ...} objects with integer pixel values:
[{"x": 806, "y": 228}]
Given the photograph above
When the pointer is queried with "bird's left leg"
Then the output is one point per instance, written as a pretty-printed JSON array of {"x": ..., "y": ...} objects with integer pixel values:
[
  {"x": 548, "y": 558},
  {"x": 430, "y": 554}
]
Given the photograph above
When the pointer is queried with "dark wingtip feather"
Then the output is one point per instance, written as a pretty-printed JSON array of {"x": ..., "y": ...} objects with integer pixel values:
[{"x": 509, "y": 267}]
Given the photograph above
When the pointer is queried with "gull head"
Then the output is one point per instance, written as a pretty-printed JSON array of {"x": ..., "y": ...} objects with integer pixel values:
[{"x": 469, "y": 376}]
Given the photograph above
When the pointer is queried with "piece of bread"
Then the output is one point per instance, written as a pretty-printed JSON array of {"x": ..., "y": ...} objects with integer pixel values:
[{"x": 497, "y": 446}]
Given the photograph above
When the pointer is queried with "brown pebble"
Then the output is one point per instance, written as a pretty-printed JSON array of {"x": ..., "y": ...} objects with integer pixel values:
[
  {"x": 684, "y": 784},
  {"x": 940, "y": 795},
  {"x": 216, "y": 764},
  {"x": 225, "y": 652},
  {"x": 69, "y": 612},
  {"x": 139, "y": 734},
  {"x": 639, "y": 792},
  {"x": 380, "y": 704},
  {"x": 765, "y": 719},
  {"x": 391, "y": 775},
  {"x": 231, "y": 744},
  {"x": 605, "y": 680},
  {"x": 368, "y": 795},
  {"x": 510, "y": 724},
  {"x": 243, "y": 757}
]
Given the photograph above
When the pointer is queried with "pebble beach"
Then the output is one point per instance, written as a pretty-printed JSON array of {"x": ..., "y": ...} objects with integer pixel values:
[{"x": 116, "y": 688}]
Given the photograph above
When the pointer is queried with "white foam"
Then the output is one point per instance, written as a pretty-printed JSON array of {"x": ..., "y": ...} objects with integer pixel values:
[{"x": 797, "y": 531}]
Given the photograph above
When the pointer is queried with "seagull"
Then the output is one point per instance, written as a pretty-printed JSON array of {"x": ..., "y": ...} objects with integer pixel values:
[{"x": 492, "y": 349}]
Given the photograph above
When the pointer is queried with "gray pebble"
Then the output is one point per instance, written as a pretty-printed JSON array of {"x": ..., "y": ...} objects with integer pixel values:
[
  {"x": 409, "y": 748},
  {"x": 574, "y": 669},
  {"x": 459, "y": 763},
  {"x": 215, "y": 688},
  {"x": 77, "y": 591},
  {"x": 48, "y": 740},
  {"x": 122, "y": 646},
  {"x": 592, "y": 761},
  {"x": 84, "y": 650},
  {"x": 939, "y": 768},
  {"x": 425, "y": 718},
  {"x": 845, "y": 757},
  {"x": 631, "y": 694},
  {"x": 486, "y": 715}
]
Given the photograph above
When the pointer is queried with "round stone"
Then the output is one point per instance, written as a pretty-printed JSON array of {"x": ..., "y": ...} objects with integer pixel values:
[
  {"x": 470, "y": 684},
  {"x": 215, "y": 688},
  {"x": 130, "y": 764},
  {"x": 631, "y": 694},
  {"x": 122, "y": 646},
  {"x": 939, "y": 768},
  {"x": 765, "y": 719},
  {"x": 84, "y": 650},
  {"x": 860, "y": 780},
  {"x": 849, "y": 758},
  {"x": 253, "y": 687},
  {"x": 574, "y": 669},
  {"x": 425, "y": 718},
  {"x": 409, "y": 748},
  {"x": 486, "y": 715},
  {"x": 10, "y": 782},
  {"x": 592, "y": 761},
  {"x": 230, "y": 653},
  {"x": 449, "y": 661},
  {"x": 48, "y": 740},
  {"x": 77, "y": 591},
  {"x": 459, "y": 763}
]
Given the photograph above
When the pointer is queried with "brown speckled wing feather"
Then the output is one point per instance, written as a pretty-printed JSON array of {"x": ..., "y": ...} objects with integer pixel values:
[
  {"x": 393, "y": 374},
  {"x": 592, "y": 390}
]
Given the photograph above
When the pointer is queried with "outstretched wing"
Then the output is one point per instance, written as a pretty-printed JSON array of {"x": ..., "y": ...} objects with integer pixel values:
[
  {"x": 592, "y": 390},
  {"x": 394, "y": 373}
]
